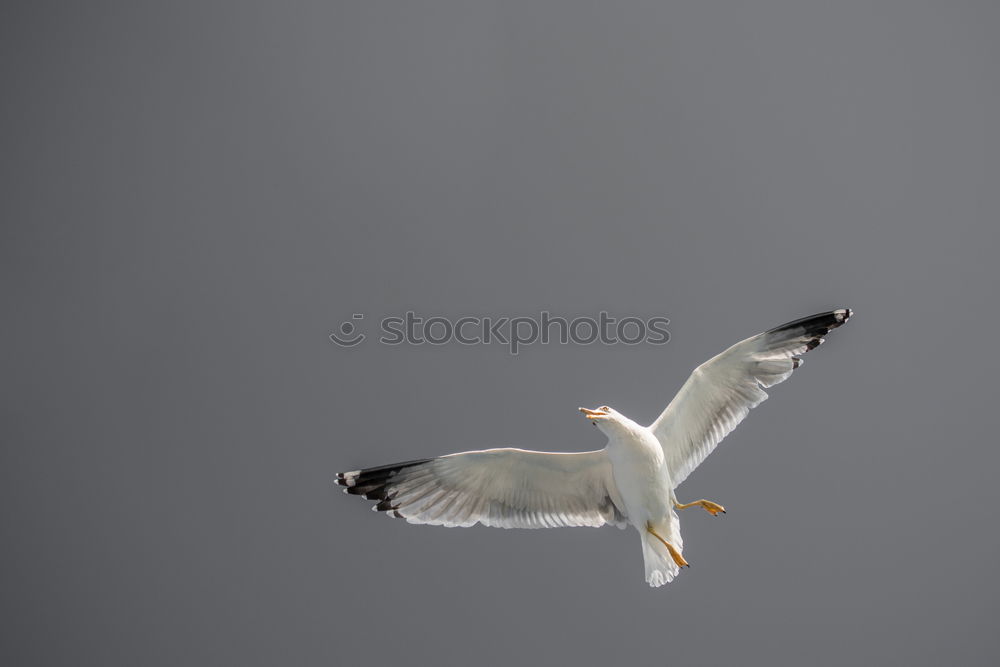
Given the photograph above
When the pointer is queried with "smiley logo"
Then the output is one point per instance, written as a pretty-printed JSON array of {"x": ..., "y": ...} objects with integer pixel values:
[{"x": 348, "y": 337}]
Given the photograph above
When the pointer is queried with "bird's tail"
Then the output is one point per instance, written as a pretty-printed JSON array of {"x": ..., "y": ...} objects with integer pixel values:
[{"x": 660, "y": 567}]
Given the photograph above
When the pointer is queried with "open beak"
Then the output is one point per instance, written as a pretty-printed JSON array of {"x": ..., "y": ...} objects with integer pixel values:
[{"x": 593, "y": 414}]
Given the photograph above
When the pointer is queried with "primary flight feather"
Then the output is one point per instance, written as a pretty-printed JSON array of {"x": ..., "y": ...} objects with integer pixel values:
[{"x": 629, "y": 482}]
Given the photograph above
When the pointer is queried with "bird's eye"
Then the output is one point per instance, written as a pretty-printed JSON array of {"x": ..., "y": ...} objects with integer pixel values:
[{"x": 605, "y": 408}]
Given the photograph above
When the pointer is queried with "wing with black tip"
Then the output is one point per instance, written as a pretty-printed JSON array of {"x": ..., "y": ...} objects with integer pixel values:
[
  {"x": 506, "y": 488},
  {"x": 721, "y": 392}
]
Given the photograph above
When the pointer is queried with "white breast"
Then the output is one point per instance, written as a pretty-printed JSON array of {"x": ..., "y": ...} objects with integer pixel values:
[{"x": 641, "y": 475}]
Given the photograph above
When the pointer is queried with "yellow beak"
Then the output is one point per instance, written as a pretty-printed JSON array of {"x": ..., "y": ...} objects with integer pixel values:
[{"x": 593, "y": 414}]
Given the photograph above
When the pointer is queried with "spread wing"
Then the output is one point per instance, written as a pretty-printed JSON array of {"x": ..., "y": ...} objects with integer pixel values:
[
  {"x": 506, "y": 488},
  {"x": 722, "y": 391}
]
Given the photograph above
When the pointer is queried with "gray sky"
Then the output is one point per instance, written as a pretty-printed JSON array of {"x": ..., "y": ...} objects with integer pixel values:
[{"x": 197, "y": 194}]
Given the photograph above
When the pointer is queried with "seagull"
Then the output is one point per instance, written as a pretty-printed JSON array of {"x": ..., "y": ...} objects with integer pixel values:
[{"x": 630, "y": 482}]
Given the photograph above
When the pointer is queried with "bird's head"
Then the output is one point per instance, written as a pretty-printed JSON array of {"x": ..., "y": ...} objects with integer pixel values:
[{"x": 606, "y": 418}]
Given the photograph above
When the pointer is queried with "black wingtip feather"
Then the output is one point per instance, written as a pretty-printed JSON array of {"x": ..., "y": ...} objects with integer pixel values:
[
  {"x": 369, "y": 476},
  {"x": 376, "y": 483},
  {"x": 369, "y": 491},
  {"x": 817, "y": 325},
  {"x": 814, "y": 343},
  {"x": 386, "y": 470},
  {"x": 385, "y": 505}
]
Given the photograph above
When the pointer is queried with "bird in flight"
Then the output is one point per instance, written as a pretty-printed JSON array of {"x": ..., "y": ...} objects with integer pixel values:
[{"x": 630, "y": 482}]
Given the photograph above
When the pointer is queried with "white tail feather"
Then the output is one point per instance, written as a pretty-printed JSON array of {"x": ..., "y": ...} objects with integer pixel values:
[{"x": 660, "y": 567}]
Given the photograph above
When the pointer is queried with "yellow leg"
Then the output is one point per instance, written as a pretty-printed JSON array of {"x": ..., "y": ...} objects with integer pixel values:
[
  {"x": 707, "y": 505},
  {"x": 674, "y": 553}
]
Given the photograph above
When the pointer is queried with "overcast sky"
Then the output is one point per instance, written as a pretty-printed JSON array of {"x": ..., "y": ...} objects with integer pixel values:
[{"x": 195, "y": 195}]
